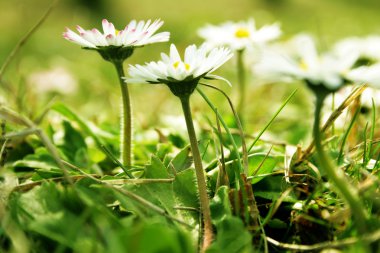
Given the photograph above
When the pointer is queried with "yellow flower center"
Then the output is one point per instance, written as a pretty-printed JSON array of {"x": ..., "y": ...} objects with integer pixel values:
[
  {"x": 176, "y": 64},
  {"x": 303, "y": 65},
  {"x": 117, "y": 32},
  {"x": 242, "y": 33}
]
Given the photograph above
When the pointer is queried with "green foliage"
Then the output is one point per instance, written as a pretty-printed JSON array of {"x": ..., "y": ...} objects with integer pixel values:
[{"x": 72, "y": 219}]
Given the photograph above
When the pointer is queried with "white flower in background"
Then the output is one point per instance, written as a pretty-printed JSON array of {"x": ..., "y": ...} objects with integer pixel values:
[
  {"x": 366, "y": 74},
  {"x": 176, "y": 124},
  {"x": 367, "y": 96},
  {"x": 57, "y": 79},
  {"x": 133, "y": 35},
  {"x": 299, "y": 59},
  {"x": 368, "y": 47},
  {"x": 197, "y": 63},
  {"x": 239, "y": 35}
]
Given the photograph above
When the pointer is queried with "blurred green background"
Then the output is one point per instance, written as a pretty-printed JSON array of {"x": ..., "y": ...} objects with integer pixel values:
[{"x": 91, "y": 86}]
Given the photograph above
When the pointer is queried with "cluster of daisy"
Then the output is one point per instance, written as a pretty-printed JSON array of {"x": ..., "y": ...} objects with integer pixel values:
[
  {"x": 353, "y": 60},
  {"x": 220, "y": 41}
]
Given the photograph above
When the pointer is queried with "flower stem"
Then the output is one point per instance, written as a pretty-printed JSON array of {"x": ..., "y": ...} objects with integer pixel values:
[
  {"x": 201, "y": 180},
  {"x": 242, "y": 83},
  {"x": 125, "y": 119},
  {"x": 337, "y": 176}
]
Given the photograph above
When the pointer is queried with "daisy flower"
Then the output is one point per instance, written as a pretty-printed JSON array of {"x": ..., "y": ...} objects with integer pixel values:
[
  {"x": 113, "y": 43},
  {"x": 323, "y": 74},
  {"x": 115, "y": 46},
  {"x": 182, "y": 77},
  {"x": 301, "y": 60},
  {"x": 366, "y": 74},
  {"x": 242, "y": 37},
  {"x": 172, "y": 70},
  {"x": 239, "y": 35},
  {"x": 368, "y": 48}
]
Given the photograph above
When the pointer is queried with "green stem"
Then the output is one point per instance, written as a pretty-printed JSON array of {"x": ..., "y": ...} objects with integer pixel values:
[
  {"x": 242, "y": 84},
  {"x": 337, "y": 176},
  {"x": 125, "y": 119},
  {"x": 200, "y": 174}
]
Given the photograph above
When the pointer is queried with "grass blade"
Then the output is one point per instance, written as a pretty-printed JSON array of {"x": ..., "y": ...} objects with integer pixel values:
[
  {"x": 271, "y": 120},
  {"x": 340, "y": 156}
]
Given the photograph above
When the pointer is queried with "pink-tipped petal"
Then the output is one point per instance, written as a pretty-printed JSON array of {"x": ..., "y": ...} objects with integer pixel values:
[
  {"x": 72, "y": 36},
  {"x": 105, "y": 25},
  {"x": 80, "y": 29}
]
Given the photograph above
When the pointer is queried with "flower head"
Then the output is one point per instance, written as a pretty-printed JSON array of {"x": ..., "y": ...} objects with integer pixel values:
[
  {"x": 113, "y": 43},
  {"x": 54, "y": 80},
  {"x": 301, "y": 60},
  {"x": 182, "y": 73},
  {"x": 239, "y": 35},
  {"x": 368, "y": 48},
  {"x": 366, "y": 74}
]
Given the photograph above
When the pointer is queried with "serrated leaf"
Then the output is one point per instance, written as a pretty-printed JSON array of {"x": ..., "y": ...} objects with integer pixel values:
[
  {"x": 185, "y": 188},
  {"x": 159, "y": 193}
]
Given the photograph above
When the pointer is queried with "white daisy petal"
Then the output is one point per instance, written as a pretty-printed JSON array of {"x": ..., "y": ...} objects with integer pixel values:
[
  {"x": 198, "y": 62},
  {"x": 174, "y": 55},
  {"x": 134, "y": 34},
  {"x": 299, "y": 59},
  {"x": 239, "y": 35},
  {"x": 366, "y": 74},
  {"x": 72, "y": 36}
]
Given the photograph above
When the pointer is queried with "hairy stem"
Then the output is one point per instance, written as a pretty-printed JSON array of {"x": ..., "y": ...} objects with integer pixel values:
[
  {"x": 335, "y": 175},
  {"x": 125, "y": 119},
  {"x": 201, "y": 180}
]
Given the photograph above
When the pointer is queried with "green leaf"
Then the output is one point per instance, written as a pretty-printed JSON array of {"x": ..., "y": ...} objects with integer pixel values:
[
  {"x": 158, "y": 193},
  {"x": 185, "y": 188},
  {"x": 154, "y": 236},
  {"x": 220, "y": 205},
  {"x": 41, "y": 162},
  {"x": 65, "y": 111},
  {"x": 183, "y": 160},
  {"x": 261, "y": 164},
  {"x": 162, "y": 150},
  {"x": 277, "y": 224},
  {"x": 272, "y": 187},
  {"x": 177, "y": 140},
  {"x": 74, "y": 147},
  {"x": 232, "y": 237}
]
